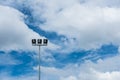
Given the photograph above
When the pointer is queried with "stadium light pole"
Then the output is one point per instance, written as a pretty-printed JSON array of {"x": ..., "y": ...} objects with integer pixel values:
[{"x": 39, "y": 43}]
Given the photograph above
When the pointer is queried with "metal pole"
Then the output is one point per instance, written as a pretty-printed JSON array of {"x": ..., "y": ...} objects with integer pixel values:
[
  {"x": 39, "y": 62},
  {"x": 39, "y": 43}
]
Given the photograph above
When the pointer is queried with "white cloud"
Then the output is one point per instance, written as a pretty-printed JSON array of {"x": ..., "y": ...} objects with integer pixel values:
[
  {"x": 14, "y": 33},
  {"x": 91, "y": 26},
  {"x": 102, "y": 3},
  {"x": 109, "y": 64},
  {"x": 91, "y": 23},
  {"x": 69, "y": 78},
  {"x": 106, "y": 69},
  {"x": 95, "y": 75},
  {"x": 6, "y": 76}
]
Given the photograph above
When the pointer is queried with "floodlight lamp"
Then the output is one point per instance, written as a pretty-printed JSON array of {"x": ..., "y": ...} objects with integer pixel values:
[
  {"x": 45, "y": 41},
  {"x": 39, "y": 41},
  {"x": 33, "y": 41}
]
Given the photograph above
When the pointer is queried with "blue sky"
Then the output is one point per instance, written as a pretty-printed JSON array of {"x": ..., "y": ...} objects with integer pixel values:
[{"x": 84, "y": 39}]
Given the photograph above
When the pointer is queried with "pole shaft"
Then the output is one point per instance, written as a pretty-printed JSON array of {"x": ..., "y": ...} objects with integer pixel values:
[{"x": 39, "y": 63}]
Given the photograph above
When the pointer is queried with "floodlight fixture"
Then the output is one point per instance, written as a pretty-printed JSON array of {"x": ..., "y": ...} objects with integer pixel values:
[
  {"x": 39, "y": 42},
  {"x": 45, "y": 41},
  {"x": 33, "y": 41}
]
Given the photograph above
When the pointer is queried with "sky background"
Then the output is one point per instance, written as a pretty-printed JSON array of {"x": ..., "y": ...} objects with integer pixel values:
[{"x": 84, "y": 39}]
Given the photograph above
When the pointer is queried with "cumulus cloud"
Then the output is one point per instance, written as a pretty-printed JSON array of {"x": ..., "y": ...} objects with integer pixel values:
[
  {"x": 90, "y": 26},
  {"x": 101, "y": 3},
  {"x": 109, "y": 64},
  {"x": 86, "y": 23},
  {"x": 14, "y": 33},
  {"x": 107, "y": 69},
  {"x": 69, "y": 78},
  {"x": 95, "y": 75},
  {"x": 6, "y": 76}
]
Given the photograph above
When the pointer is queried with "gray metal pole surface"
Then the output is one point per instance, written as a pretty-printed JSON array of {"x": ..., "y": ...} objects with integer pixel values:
[{"x": 39, "y": 64}]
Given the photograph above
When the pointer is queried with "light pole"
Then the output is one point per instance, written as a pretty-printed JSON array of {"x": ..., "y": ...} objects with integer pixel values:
[{"x": 39, "y": 42}]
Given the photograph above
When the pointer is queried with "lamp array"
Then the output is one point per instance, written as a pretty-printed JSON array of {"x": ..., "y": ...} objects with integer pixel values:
[{"x": 39, "y": 42}]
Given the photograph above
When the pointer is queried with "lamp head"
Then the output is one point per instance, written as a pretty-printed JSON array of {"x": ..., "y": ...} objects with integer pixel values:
[
  {"x": 33, "y": 41},
  {"x": 39, "y": 42},
  {"x": 45, "y": 41}
]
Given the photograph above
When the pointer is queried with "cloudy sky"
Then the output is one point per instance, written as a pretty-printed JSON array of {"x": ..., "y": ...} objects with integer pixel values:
[{"x": 84, "y": 39}]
